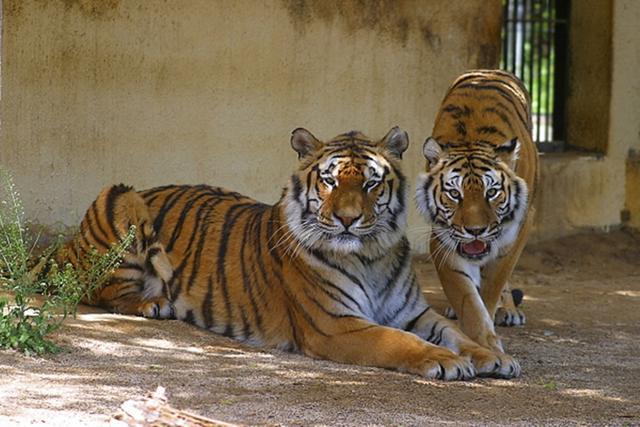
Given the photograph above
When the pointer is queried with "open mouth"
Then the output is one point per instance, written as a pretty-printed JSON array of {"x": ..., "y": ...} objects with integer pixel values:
[{"x": 474, "y": 249}]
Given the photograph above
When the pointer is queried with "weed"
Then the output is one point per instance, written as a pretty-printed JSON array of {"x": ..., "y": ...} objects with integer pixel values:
[{"x": 31, "y": 308}]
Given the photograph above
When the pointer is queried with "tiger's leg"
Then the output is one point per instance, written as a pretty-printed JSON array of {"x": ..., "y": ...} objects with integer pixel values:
[
  {"x": 359, "y": 342},
  {"x": 497, "y": 273},
  {"x": 438, "y": 330},
  {"x": 460, "y": 282},
  {"x": 507, "y": 312},
  {"x": 139, "y": 285}
]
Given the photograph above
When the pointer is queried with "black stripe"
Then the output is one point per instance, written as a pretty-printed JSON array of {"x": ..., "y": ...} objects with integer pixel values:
[
  {"x": 296, "y": 187},
  {"x": 271, "y": 236},
  {"x": 294, "y": 331},
  {"x": 316, "y": 279},
  {"x": 504, "y": 94},
  {"x": 94, "y": 210},
  {"x": 181, "y": 220},
  {"x": 246, "y": 328},
  {"x": 432, "y": 332},
  {"x": 346, "y": 273},
  {"x": 230, "y": 217},
  {"x": 149, "y": 263},
  {"x": 93, "y": 235},
  {"x": 258, "y": 250},
  {"x": 467, "y": 276},
  {"x": 189, "y": 318},
  {"x": 200, "y": 229},
  {"x": 326, "y": 311},
  {"x": 246, "y": 280},
  {"x": 491, "y": 130},
  {"x": 404, "y": 258},
  {"x": 207, "y": 306},
  {"x": 146, "y": 194},
  {"x": 110, "y": 206},
  {"x": 166, "y": 207}
]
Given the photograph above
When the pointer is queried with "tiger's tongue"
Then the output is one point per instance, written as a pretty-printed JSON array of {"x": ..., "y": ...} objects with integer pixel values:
[{"x": 474, "y": 248}]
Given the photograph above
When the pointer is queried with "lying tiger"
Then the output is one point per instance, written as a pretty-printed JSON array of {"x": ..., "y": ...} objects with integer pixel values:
[
  {"x": 482, "y": 172},
  {"x": 326, "y": 271}
]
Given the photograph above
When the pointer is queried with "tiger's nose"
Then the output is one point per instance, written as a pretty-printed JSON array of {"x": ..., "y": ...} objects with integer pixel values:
[
  {"x": 475, "y": 231},
  {"x": 347, "y": 220}
]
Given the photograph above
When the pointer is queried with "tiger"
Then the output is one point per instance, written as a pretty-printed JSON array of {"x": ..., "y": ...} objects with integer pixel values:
[
  {"x": 325, "y": 271},
  {"x": 478, "y": 193}
]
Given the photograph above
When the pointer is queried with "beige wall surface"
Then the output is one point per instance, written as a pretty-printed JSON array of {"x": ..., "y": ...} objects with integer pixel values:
[
  {"x": 587, "y": 191},
  {"x": 198, "y": 91}
]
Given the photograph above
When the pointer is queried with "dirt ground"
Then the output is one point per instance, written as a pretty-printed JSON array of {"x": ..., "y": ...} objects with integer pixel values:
[{"x": 580, "y": 353}]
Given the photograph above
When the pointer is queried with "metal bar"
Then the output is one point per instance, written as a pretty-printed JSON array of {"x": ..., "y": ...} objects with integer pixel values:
[
  {"x": 530, "y": 43},
  {"x": 561, "y": 39},
  {"x": 532, "y": 91},
  {"x": 539, "y": 81},
  {"x": 523, "y": 38},
  {"x": 505, "y": 36},
  {"x": 548, "y": 105},
  {"x": 514, "y": 14}
]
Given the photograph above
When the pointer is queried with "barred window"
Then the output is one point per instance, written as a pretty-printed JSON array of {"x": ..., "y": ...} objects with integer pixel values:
[{"x": 535, "y": 48}]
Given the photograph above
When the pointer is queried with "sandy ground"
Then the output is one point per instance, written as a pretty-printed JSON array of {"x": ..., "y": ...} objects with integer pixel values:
[{"x": 580, "y": 353}]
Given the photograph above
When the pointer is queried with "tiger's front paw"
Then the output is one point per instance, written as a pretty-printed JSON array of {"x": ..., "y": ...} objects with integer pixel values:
[
  {"x": 493, "y": 364},
  {"x": 443, "y": 364},
  {"x": 157, "y": 308},
  {"x": 509, "y": 317}
]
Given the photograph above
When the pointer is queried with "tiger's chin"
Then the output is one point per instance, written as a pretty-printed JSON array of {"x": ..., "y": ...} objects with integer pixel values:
[{"x": 345, "y": 243}]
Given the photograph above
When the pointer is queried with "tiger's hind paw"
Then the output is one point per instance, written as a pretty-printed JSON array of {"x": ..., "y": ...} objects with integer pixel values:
[
  {"x": 509, "y": 317},
  {"x": 157, "y": 308}
]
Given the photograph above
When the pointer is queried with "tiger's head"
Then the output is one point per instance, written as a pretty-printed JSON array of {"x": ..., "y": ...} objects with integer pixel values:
[
  {"x": 472, "y": 197},
  {"x": 348, "y": 194}
]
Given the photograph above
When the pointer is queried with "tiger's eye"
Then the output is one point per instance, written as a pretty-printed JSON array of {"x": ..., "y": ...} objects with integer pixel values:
[
  {"x": 454, "y": 193},
  {"x": 370, "y": 185},
  {"x": 492, "y": 192},
  {"x": 329, "y": 181}
]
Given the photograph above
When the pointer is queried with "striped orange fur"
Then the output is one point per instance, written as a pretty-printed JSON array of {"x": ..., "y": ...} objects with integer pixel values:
[
  {"x": 477, "y": 193},
  {"x": 325, "y": 271}
]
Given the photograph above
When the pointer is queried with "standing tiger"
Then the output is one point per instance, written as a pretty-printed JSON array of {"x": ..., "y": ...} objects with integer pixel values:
[
  {"x": 477, "y": 193},
  {"x": 326, "y": 271}
]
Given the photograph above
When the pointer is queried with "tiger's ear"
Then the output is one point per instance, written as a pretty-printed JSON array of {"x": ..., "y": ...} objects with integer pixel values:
[
  {"x": 396, "y": 141},
  {"x": 509, "y": 152},
  {"x": 304, "y": 142},
  {"x": 432, "y": 151}
]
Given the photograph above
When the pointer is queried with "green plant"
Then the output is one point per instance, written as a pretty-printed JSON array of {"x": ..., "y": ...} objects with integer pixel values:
[{"x": 33, "y": 307}]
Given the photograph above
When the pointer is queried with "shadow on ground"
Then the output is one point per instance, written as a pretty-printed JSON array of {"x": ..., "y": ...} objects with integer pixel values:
[{"x": 580, "y": 353}]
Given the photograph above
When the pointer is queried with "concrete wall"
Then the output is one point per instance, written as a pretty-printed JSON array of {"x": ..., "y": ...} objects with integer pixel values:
[
  {"x": 154, "y": 92},
  {"x": 588, "y": 191}
]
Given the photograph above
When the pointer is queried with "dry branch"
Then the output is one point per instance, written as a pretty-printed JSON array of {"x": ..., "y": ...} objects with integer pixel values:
[{"x": 154, "y": 411}]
